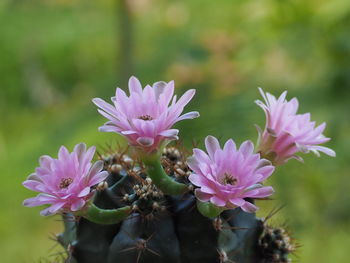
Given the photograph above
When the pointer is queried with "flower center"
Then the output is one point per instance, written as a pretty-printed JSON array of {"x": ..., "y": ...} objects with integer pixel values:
[
  {"x": 228, "y": 179},
  {"x": 145, "y": 117},
  {"x": 65, "y": 182}
]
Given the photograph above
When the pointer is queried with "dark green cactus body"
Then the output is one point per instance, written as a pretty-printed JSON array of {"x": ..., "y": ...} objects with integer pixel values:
[{"x": 161, "y": 228}]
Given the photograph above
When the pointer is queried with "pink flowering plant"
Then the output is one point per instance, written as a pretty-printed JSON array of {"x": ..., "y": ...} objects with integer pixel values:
[
  {"x": 286, "y": 133},
  {"x": 65, "y": 183},
  {"x": 159, "y": 179},
  {"x": 226, "y": 177},
  {"x": 147, "y": 116}
]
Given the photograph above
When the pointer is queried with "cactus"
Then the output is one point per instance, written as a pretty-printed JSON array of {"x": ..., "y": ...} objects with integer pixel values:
[
  {"x": 161, "y": 228},
  {"x": 162, "y": 205}
]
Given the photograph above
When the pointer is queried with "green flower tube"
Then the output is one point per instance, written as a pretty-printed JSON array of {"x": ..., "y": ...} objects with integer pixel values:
[
  {"x": 156, "y": 172},
  {"x": 105, "y": 216},
  {"x": 208, "y": 209}
]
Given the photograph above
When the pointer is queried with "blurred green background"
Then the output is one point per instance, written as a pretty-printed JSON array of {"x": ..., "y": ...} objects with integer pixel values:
[{"x": 55, "y": 55}]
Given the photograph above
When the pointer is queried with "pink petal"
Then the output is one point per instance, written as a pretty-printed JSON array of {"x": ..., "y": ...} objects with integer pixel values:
[
  {"x": 246, "y": 148},
  {"x": 80, "y": 149},
  {"x": 135, "y": 85},
  {"x": 207, "y": 189},
  {"x": 109, "y": 116},
  {"x": 197, "y": 180},
  {"x": 185, "y": 99},
  {"x": 40, "y": 199},
  {"x": 249, "y": 207},
  {"x": 149, "y": 96},
  {"x": 84, "y": 192},
  {"x": 109, "y": 129},
  {"x": 253, "y": 187},
  {"x": 122, "y": 100},
  {"x": 189, "y": 115},
  {"x": 265, "y": 171},
  {"x": 319, "y": 129},
  {"x": 201, "y": 156},
  {"x": 169, "y": 133},
  {"x": 145, "y": 141},
  {"x": 212, "y": 144},
  {"x": 282, "y": 98},
  {"x": 159, "y": 88},
  {"x": 97, "y": 167},
  {"x": 33, "y": 185},
  {"x": 128, "y": 132},
  {"x": 108, "y": 108},
  {"x": 63, "y": 154},
  {"x": 77, "y": 205},
  {"x": 193, "y": 164},
  {"x": 45, "y": 212},
  {"x": 325, "y": 150},
  {"x": 166, "y": 94},
  {"x": 34, "y": 177},
  {"x": 148, "y": 129},
  {"x": 98, "y": 178},
  {"x": 260, "y": 193},
  {"x": 203, "y": 197},
  {"x": 217, "y": 201},
  {"x": 237, "y": 201},
  {"x": 230, "y": 147},
  {"x": 55, "y": 207},
  {"x": 45, "y": 161}
]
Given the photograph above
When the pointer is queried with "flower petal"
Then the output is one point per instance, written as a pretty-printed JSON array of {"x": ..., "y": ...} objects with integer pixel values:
[
  {"x": 325, "y": 150},
  {"x": 260, "y": 193},
  {"x": 55, "y": 207},
  {"x": 135, "y": 85},
  {"x": 84, "y": 192},
  {"x": 249, "y": 207},
  {"x": 217, "y": 201},
  {"x": 188, "y": 115},
  {"x": 98, "y": 178},
  {"x": 169, "y": 133},
  {"x": 203, "y": 197},
  {"x": 212, "y": 144},
  {"x": 40, "y": 199},
  {"x": 159, "y": 88},
  {"x": 246, "y": 148},
  {"x": 77, "y": 205},
  {"x": 145, "y": 141},
  {"x": 237, "y": 201}
]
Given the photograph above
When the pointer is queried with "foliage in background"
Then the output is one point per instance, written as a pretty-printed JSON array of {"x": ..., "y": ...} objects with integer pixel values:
[{"x": 57, "y": 55}]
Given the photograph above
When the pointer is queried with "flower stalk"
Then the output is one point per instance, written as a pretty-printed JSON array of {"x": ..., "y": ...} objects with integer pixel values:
[
  {"x": 156, "y": 172},
  {"x": 104, "y": 216},
  {"x": 208, "y": 209}
]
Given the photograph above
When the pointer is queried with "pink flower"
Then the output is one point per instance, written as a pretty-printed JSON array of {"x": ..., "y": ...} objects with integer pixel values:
[
  {"x": 145, "y": 117},
  {"x": 286, "y": 132},
  {"x": 227, "y": 176},
  {"x": 65, "y": 183}
]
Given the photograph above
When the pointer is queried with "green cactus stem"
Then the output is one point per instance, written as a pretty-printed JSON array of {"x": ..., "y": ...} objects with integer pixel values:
[
  {"x": 105, "y": 216},
  {"x": 163, "y": 181},
  {"x": 208, "y": 209}
]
